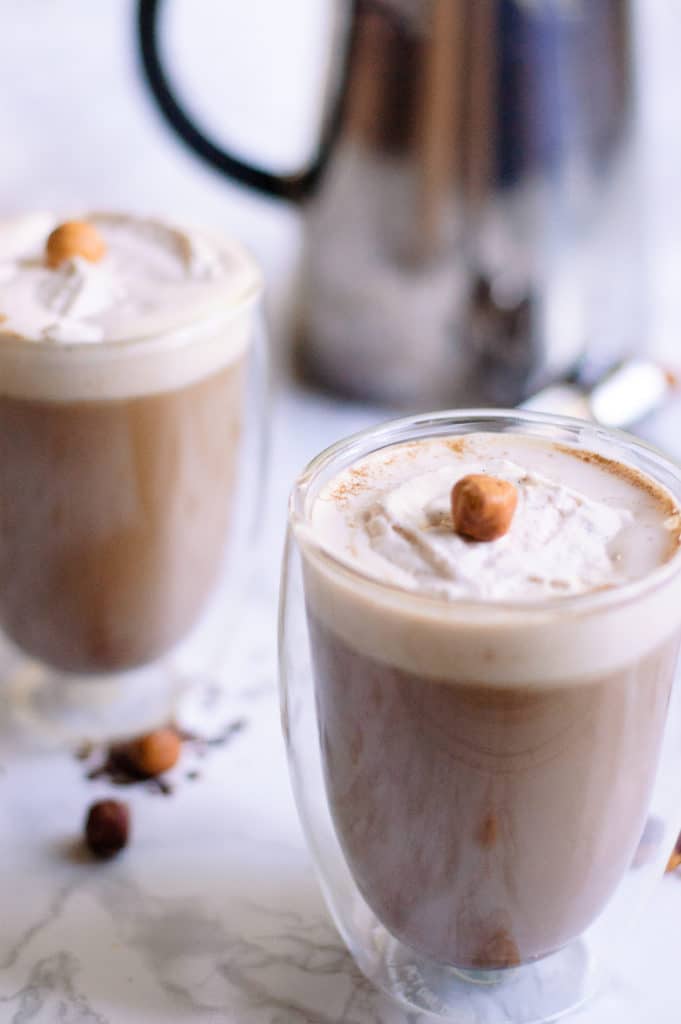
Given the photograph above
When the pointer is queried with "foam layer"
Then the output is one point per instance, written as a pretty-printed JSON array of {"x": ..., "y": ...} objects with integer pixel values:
[
  {"x": 578, "y": 529},
  {"x": 164, "y": 307},
  {"x": 584, "y": 523}
]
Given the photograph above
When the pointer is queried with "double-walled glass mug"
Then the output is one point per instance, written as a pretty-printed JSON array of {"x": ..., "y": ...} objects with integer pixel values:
[
  {"x": 131, "y": 470},
  {"x": 489, "y": 789}
]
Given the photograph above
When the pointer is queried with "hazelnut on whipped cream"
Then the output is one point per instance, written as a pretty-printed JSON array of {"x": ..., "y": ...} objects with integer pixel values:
[
  {"x": 71, "y": 239},
  {"x": 108, "y": 277},
  {"x": 483, "y": 506}
]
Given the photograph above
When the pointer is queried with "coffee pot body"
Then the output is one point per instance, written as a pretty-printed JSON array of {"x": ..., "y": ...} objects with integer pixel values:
[{"x": 473, "y": 211}]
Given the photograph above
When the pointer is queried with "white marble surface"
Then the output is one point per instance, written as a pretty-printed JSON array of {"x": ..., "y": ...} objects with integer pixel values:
[{"x": 213, "y": 913}]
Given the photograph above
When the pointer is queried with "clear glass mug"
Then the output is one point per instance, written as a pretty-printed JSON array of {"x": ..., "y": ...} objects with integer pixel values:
[
  {"x": 506, "y": 916},
  {"x": 129, "y": 494}
]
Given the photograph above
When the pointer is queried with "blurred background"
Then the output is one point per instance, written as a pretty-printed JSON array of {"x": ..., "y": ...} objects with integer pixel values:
[
  {"x": 81, "y": 130},
  {"x": 501, "y": 194}
]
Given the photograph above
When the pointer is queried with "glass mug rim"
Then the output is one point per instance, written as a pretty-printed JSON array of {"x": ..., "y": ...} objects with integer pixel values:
[
  {"x": 423, "y": 425},
  {"x": 167, "y": 359}
]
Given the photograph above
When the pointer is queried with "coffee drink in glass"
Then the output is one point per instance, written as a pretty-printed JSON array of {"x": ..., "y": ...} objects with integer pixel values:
[
  {"x": 494, "y": 623},
  {"x": 124, "y": 352}
]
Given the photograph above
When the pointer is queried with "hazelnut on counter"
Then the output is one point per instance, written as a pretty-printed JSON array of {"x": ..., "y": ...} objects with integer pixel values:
[
  {"x": 74, "y": 238},
  {"x": 107, "y": 827},
  {"x": 483, "y": 506},
  {"x": 154, "y": 753},
  {"x": 675, "y": 859}
]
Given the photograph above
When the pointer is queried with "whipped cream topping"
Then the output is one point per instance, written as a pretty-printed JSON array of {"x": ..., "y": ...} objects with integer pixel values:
[
  {"x": 559, "y": 541},
  {"x": 580, "y": 524},
  {"x": 153, "y": 277}
]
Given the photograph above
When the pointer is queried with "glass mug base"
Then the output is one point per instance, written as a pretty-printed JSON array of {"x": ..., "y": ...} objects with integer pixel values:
[
  {"x": 534, "y": 993},
  {"x": 54, "y": 708},
  {"x": 187, "y": 687}
]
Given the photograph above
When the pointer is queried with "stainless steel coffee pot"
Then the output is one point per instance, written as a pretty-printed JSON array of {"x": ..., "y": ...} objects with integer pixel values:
[{"x": 472, "y": 213}]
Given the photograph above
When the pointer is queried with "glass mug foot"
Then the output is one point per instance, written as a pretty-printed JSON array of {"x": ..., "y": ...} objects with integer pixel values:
[
  {"x": 55, "y": 708},
  {"x": 534, "y": 993}
]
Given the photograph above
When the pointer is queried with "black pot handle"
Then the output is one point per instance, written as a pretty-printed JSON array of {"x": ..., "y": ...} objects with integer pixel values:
[{"x": 294, "y": 187}]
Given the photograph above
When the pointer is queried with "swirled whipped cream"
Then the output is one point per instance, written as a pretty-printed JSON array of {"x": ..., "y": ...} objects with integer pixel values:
[
  {"x": 582, "y": 522},
  {"x": 153, "y": 277}
]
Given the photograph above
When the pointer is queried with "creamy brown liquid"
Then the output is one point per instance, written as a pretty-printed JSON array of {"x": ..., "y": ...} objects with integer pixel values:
[
  {"x": 486, "y": 826},
  {"x": 114, "y": 516}
]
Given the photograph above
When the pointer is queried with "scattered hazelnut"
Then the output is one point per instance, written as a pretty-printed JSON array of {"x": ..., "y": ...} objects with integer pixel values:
[
  {"x": 672, "y": 379},
  {"x": 483, "y": 506},
  {"x": 675, "y": 859},
  {"x": 674, "y": 862},
  {"x": 107, "y": 827},
  {"x": 155, "y": 753},
  {"x": 74, "y": 238}
]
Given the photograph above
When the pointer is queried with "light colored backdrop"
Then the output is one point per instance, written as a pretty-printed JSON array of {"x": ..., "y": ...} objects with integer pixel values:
[{"x": 77, "y": 127}]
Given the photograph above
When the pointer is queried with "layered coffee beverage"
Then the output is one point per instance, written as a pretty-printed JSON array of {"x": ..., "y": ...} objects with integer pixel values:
[
  {"x": 494, "y": 624},
  {"x": 123, "y": 345}
]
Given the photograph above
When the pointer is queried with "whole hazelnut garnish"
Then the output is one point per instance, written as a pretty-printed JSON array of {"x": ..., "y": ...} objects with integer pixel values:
[
  {"x": 74, "y": 238},
  {"x": 107, "y": 827},
  {"x": 154, "y": 753},
  {"x": 483, "y": 506}
]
